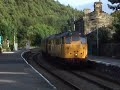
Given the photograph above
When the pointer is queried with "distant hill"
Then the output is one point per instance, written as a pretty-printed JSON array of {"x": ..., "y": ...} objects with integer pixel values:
[{"x": 28, "y": 18}]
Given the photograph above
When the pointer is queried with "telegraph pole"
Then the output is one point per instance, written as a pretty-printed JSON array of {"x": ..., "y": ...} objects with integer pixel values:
[
  {"x": 15, "y": 44},
  {"x": 97, "y": 41},
  {"x": 74, "y": 23},
  {"x": 14, "y": 40},
  {"x": 97, "y": 37}
]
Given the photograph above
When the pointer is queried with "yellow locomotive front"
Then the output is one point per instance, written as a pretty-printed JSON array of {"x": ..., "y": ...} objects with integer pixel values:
[
  {"x": 70, "y": 47},
  {"x": 75, "y": 48}
]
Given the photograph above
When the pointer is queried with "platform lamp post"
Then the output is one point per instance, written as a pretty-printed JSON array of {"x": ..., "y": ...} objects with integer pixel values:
[
  {"x": 14, "y": 39},
  {"x": 74, "y": 23},
  {"x": 97, "y": 35},
  {"x": 97, "y": 41}
]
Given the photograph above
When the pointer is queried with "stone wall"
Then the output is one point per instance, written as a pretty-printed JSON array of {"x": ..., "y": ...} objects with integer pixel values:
[
  {"x": 97, "y": 18},
  {"x": 93, "y": 20}
]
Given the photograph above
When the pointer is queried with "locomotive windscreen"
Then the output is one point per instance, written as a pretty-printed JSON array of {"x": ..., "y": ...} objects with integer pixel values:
[
  {"x": 83, "y": 40},
  {"x": 68, "y": 40},
  {"x": 75, "y": 38}
]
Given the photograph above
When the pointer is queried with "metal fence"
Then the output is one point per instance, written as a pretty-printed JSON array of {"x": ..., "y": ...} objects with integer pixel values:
[{"x": 110, "y": 49}]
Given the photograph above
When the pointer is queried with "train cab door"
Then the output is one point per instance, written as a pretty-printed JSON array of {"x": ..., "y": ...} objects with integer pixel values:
[{"x": 67, "y": 46}]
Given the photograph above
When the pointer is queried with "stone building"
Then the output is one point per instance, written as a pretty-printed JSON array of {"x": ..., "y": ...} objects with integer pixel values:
[{"x": 93, "y": 20}]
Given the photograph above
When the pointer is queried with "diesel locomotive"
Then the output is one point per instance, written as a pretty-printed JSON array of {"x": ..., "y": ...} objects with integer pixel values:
[{"x": 68, "y": 46}]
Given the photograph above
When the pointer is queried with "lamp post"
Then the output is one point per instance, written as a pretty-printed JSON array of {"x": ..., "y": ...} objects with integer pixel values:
[
  {"x": 14, "y": 40},
  {"x": 97, "y": 41},
  {"x": 97, "y": 35},
  {"x": 74, "y": 24}
]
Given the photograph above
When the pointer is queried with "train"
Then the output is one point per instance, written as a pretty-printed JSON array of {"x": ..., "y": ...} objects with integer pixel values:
[{"x": 68, "y": 46}]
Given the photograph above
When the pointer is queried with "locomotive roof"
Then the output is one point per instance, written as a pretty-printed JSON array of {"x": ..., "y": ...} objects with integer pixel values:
[{"x": 64, "y": 34}]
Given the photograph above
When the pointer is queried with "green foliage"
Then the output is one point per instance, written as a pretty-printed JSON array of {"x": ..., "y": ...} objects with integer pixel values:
[
  {"x": 116, "y": 26},
  {"x": 104, "y": 36},
  {"x": 33, "y": 19}
]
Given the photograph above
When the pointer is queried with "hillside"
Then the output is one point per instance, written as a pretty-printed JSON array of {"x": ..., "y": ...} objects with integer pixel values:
[{"x": 33, "y": 19}]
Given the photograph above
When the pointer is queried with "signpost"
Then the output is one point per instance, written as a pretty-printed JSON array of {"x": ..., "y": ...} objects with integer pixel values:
[{"x": 28, "y": 45}]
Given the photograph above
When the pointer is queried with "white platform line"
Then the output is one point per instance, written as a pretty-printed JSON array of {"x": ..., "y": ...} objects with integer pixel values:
[
  {"x": 37, "y": 71},
  {"x": 103, "y": 62},
  {"x": 8, "y": 52}
]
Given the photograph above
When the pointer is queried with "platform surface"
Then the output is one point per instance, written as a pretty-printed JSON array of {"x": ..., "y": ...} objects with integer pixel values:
[
  {"x": 15, "y": 74},
  {"x": 105, "y": 60}
]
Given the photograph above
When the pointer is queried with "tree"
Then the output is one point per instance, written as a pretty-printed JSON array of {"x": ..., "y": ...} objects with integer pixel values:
[
  {"x": 116, "y": 35},
  {"x": 116, "y": 4},
  {"x": 116, "y": 22},
  {"x": 32, "y": 19},
  {"x": 104, "y": 35}
]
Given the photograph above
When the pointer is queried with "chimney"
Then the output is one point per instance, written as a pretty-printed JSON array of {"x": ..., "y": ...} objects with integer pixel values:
[{"x": 86, "y": 11}]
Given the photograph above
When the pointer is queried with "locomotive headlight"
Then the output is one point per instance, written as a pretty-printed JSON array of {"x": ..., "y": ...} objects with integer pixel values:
[{"x": 76, "y": 54}]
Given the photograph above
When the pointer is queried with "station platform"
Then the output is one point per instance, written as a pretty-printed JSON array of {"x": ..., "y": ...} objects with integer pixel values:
[
  {"x": 16, "y": 74},
  {"x": 104, "y": 60}
]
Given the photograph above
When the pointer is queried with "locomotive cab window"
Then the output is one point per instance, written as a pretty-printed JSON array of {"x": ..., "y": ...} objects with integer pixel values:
[
  {"x": 83, "y": 40},
  {"x": 67, "y": 40},
  {"x": 58, "y": 41},
  {"x": 75, "y": 38}
]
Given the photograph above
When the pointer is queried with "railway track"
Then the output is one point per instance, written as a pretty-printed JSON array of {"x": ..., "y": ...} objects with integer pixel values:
[
  {"x": 100, "y": 83},
  {"x": 102, "y": 76},
  {"x": 57, "y": 76}
]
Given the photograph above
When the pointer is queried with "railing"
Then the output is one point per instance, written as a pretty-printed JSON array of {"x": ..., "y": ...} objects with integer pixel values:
[{"x": 111, "y": 50}]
